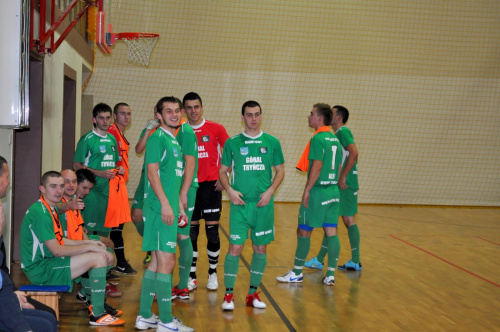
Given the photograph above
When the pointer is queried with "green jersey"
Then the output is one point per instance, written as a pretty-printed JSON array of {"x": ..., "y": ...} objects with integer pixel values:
[
  {"x": 189, "y": 144},
  {"x": 36, "y": 228},
  {"x": 326, "y": 148},
  {"x": 345, "y": 137},
  {"x": 99, "y": 153},
  {"x": 252, "y": 159},
  {"x": 163, "y": 148}
]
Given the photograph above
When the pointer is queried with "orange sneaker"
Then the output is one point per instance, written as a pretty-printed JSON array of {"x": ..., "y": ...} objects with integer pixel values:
[{"x": 104, "y": 319}]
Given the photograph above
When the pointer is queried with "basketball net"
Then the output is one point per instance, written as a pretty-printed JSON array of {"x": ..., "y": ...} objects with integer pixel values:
[{"x": 140, "y": 48}]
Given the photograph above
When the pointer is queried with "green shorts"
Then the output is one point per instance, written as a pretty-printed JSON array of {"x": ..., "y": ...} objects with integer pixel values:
[
  {"x": 94, "y": 213},
  {"x": 138, "y": 201},
  {"x": 157, "y": 234},
  {"x": 259, "y": 220},
  {"x": 323, "y": 210},
  {"x": 348, "y": 202},
  {"x": 51, "y": 271},
  {"x": 189, "y": 211}
]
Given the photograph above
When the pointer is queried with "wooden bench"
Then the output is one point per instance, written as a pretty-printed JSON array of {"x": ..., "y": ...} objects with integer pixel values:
[{"x": 45, "y": 294}]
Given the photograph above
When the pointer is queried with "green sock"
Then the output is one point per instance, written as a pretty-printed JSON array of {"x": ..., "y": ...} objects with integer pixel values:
[
  {"x": 323, "y": 250},
  {"x": 257, "y": 268},
  {"x": 333, "y": 254},
  {"x": 109, "y": 268},
  {"x": 140, "y": 227},
  {"x": 163, "y": 294},
  {"x": 231, "y": 265},
  {"x": 147, "y": 293},
  {"x": 185, "y": 259},
  {"x": 303, "y": 246},
  {"x": 97, "y": 281},
  {"x": 85, "y": 291},
  {"x": 354, "y": 239}
]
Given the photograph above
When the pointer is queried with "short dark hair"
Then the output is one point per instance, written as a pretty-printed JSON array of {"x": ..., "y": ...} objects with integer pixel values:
[
  {"x": 250, "y": 103},
  {"x": 170, "y": 99},
  {"x": 84, "y": 174},
  {"x": 191, "y": 96},
  {"x": 325, "y": 111},
  {"x": 101, "y": 108},
  {"x": 117, "y": 106},
  {"x": 343, "y": 112},
  {"x": 2, "y": 161},
  {"x": 49, "y": 174}
]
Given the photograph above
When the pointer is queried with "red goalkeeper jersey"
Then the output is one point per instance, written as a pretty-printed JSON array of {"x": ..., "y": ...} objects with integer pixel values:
[{"x": 211, "y": 139}]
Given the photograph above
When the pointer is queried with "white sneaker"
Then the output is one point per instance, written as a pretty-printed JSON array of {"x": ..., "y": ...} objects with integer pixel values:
[
  {"x": 329, "y": 281},
  {"x": 212, "y": 284},
  {"x": 290, "y": 277},
  {"x": 192, "y": 284},
  {"x": 255, "y": 301},
  {"x": 142, "y": 323},
  {"x": 228, "y": 303},
  {"x": 174, "y": 326}
]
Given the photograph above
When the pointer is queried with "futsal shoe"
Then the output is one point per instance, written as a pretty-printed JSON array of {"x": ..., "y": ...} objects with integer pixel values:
[
  {"x": 290, "y": 277},
  {"x": 124, "y": 267},
  {"x": 253, "y": 300},
  {"x": 174, "y": 325},
  {"x": 147, "y": 259},
  {"x": 192, "y": 284},
  {"x": 181, "y": 294},
  {"x": 212, "y": 284},
  {"x": 329, "y": 280},
  {"x": 228, "y": 303},
  {"x": 313, "y": 263},
  {"x": 81, "y": 298},
  {"x": 142, "y": 323},
  {"x": 112, "y": 290},
  {"x": 104, "y": 319},
  {"x": 112, "y": 277},
  {"x": 350, "y": 266},
  {"x": 112, "y": 311}
]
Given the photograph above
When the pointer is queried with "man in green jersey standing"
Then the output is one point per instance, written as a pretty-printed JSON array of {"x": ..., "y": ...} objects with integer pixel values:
[
  {"x": 320, "y": 200},
  {"x": 348, "y": 185},
  {"x": 252, "y": 155},
  {"x": 164, "y": 169},
  {"x": 97, "y": 151}
]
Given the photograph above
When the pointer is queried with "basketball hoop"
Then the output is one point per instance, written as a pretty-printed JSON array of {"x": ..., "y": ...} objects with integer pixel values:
[{"x": 140, "y": 45}]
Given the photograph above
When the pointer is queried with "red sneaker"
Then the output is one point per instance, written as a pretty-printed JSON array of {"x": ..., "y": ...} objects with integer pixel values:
[
  {"x": 253, "y": 300},
  {"x": 112, "y": 290},
  {"x": 182, "y": 294}
]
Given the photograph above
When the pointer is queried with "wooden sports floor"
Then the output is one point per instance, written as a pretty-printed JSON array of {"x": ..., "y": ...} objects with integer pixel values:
[{"x": 424, "y": 269}]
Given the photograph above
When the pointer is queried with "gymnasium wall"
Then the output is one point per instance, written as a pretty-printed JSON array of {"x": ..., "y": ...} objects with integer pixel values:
[{"x": 420, "y": 78}]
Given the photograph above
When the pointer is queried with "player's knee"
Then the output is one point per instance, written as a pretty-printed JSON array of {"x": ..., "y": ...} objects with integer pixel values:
[
  {"x": 136, "y": 215},
  {"x": 212, "y": 233},
  {"x": 194, "y": 231}
]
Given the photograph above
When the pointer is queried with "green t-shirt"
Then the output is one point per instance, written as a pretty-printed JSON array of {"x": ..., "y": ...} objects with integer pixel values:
[
  {"x": 189, "y": 144},
  {"x": 99, "y": 153},
  {"x": 163, "y": 148},
  {"x": 252, "y": 160},
  {"x": 326, "y": 148},
  {"x": 36, "y": 228},
  {"x": 345, "y": 137}
]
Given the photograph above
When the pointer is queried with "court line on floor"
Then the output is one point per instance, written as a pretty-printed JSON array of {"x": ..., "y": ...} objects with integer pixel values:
[
  {"x": 445, "y": 261},
  {"x": 480, "y": 238},
  {"x": 275, "y": 305}
]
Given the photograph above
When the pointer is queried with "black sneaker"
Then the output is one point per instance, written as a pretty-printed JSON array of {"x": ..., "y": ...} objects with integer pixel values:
[
  {"x": 125, "y": 268},
  {"x": 81, "y": 298},
  {"x": 112, "y": 277},
  {"x": 109, "y": 309}
]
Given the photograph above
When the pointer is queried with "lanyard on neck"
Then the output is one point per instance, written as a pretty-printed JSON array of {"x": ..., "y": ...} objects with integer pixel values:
[{"x": 55, "y": 220}]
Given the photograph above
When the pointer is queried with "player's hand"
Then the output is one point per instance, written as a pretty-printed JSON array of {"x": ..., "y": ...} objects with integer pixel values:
[
  {"x": 97, "y": 243},
  {"x": 167, "y": 215},
  {"x": 121, "y": 170},
  {"x": 152, "y": 124},
  {"x": 305, "y": 199},
  {"x": 108, "y": 174},
  {"x": 97, "y": 249},
  {"x": 76, "y": 204},
  {"x": 342, "y": 184},
  {"x": 23, "y": 300},
  {"x": 218, "y": 186},
  {"x": 235, "y": 197},
  {"x": 265, "y": 198}
]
